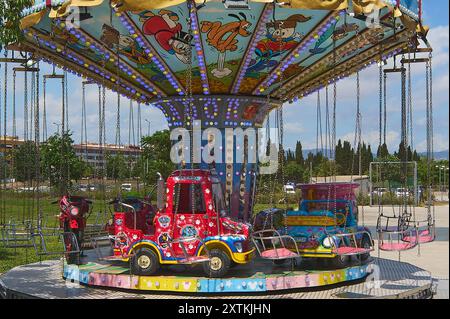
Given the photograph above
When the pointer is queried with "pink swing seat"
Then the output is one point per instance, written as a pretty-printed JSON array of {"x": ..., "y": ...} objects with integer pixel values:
[
  {"x": 397, "y": 246},
  {"x": 278, "y": 253},
  {"x": 348, "y": 251},
  {"x": 424, "y": 237}
]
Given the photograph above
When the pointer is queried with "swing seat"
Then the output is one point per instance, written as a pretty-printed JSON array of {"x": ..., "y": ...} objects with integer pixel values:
[
  {"x": 399, "y": 246},
  {"x": 349, "y": 251},
  {"x": 278, "y": 253},
  {"x": 349, "y": 244},
  {"x": 395, "y": 241},
  {"x": 423, "y": 237},
  {"x": 272, "y": 245}
]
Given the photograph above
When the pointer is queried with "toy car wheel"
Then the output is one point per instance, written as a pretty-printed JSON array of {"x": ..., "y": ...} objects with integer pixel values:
[
  {"x": 145, "y": 262},
  {"x": 218, "y": 265},
  {"x": 340, "y": 261},
  {"x": 366, "y": 244}
]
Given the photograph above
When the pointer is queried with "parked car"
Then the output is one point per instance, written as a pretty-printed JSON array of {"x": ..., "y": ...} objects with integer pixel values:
[
  {"x": 126, "y": 187},
  {"x": 289, "y": 189},
  {"x": 83, "y": 188},
  {"x": 402, "y": 192},
  {"x": 380, "y": 192}
]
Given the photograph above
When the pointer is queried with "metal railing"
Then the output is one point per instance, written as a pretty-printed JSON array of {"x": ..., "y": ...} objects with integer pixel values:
[
  {"x": 350, "y": 241},
  {"x": 267, "y": 241}
]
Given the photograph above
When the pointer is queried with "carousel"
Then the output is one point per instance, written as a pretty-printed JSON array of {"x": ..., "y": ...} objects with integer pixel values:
[{"x": 226, "y": 65}]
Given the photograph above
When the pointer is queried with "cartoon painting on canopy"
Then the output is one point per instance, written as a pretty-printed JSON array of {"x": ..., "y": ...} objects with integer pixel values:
[
  {"x": 225, "y": 39},
  {"x": 55, "y": 35},
  {"x": 168, "y": 32},
  {"x": 114, "y": 36},
  {"x": 283, "y": 34},
  {"x": 337, "y": 36}
]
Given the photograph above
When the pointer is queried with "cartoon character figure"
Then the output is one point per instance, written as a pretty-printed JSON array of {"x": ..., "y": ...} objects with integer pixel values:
[
  {"x": 250, "y": 112},
  {"x": 129, "y": 47},
  {"x": 188, "y": 231},
  {"x": 222, "y": 37},
  {"x": 125, "y": 45},
  {"x": 168, "y": 32},
  {"x": 281, "y": 37}
]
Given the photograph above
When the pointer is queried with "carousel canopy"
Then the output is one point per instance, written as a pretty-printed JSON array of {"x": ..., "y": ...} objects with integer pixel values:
[{"x": 161, "y": 50}]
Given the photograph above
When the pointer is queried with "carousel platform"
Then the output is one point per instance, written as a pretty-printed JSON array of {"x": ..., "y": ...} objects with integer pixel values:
[{"x": 379, "y": 278}]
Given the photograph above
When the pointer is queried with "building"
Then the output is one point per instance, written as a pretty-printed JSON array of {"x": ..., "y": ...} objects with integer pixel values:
[
  {"x": 95, "y": 154},
  {"x": 7, "y": 144},
  {"x": 90, "y": 153}
]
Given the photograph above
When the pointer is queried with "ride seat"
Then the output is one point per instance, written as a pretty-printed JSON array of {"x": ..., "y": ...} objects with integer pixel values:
[{"x": 278, "y": 253}]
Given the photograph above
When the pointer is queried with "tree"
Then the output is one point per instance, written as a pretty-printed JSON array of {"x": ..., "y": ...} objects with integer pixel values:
[
  {"x": 116, "y": 167},
  {"x": 156, "y": 156},
  {"x": 294, "y": 172},
  {"x": 59, "y": 162},
  {"x": 25, "y": 162},
  {"x": 299, "y": 154},
  {"x": 382, "y": 152},
  {"x": 10, "y": 16}
]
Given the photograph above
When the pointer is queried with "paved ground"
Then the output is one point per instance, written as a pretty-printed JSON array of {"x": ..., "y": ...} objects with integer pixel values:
[{"x": 433, "y": 257}]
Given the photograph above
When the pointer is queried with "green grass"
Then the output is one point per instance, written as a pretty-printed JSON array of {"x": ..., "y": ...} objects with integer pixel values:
[{"x": 20, "y": 207}]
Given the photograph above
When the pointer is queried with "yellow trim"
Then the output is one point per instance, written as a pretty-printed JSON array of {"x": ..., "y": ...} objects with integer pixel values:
[
  {"x": 238, "y": 258},
  {"x": 162, "y": 262},
  {"x": 321, "y": 221}
]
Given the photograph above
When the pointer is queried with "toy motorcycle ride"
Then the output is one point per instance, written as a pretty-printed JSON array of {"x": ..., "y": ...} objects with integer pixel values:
[{"x": 74, "y": 211}]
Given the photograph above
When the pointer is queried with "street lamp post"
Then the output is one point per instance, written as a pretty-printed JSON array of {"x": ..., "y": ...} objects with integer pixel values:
[
  {"x": 149, "y": 125},
  {"x": 445, "y": 170},
  {"x": 58, "y": 125}
]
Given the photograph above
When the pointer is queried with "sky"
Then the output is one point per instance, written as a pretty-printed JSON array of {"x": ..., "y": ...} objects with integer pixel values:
[{"x": 300, "y": 117}]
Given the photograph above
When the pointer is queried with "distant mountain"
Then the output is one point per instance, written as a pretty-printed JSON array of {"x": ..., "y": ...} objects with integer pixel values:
[{"x": 443, "y": 155}]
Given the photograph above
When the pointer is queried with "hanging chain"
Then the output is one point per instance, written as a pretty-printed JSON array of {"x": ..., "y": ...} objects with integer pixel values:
[
  {"x": 131, "y": 133},
  {"x": 32, "y": 101},
  {"x": 384, "y": 108},
  {"x": 357, "y": 142},
  {"x": 430, "y": 137},
  {"x": 139, "y": 124},
  {"x": 191, "y": 10},
  {"x": 14, "y": 106},
  {"x": 25, "y": 107},
  {"x": 4, "y": 159},
  {"x": 37, "y": 135},
  {"x": 66, "y": 95},
  {"x": 410, "y": 106},
  {"x": 5, "y": 101},
  {"x": 327, "y": 124},
  {"x": 380, "y": 79},
  {"x": 319, "y": 133},
  {"x": 118, "y": 135},
  {"x": 359, "y": 121},
  {"x": 63, "y": 113},
  {"x": 404, "y": 134},
  {"x": 44, "y": 115}
]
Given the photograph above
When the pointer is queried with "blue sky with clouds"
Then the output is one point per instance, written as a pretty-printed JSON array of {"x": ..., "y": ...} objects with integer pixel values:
[{"x": 300, "y": 117}]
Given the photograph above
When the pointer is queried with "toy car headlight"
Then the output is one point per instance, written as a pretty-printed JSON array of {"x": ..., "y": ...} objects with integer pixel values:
[
  {"x": 238, "y": 246},
  {"x": 327, "y": 242},
  {"x": 74, "y": 211}
]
